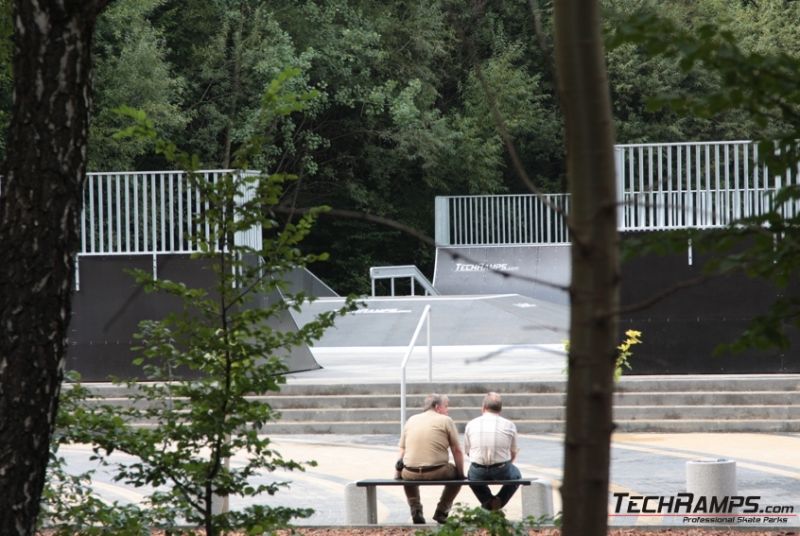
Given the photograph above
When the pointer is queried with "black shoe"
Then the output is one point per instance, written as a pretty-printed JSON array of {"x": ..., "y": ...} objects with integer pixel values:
[
  {"x": 493, "y": 505},
  {"x": 440, "y": 517},
  {"x": 417, "y": 518}
]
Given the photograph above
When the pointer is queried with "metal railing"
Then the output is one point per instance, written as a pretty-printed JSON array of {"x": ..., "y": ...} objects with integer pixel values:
[
  {"x": 695, "y": 185},
  {"x": 660, "y": 186},
  {"x": 409, "y": 272},
  {"x": 481, "y": 220},
  {"x": 155, "y": 212},
  {"x": 424, "y": 317}
]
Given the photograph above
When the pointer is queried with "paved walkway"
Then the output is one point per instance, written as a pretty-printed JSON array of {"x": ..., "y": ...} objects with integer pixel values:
[{"x": 767, "y": 465}]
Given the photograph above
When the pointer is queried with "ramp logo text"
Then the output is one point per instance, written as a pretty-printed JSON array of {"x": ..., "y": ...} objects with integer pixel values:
[{"x": 485, "y": 267}]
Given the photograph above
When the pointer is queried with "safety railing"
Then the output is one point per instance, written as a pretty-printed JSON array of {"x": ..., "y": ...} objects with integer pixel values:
[
  {"x": 660, "y": 186},
  {"x": 486, "y": 220},
  {"x": 424, "y": 317},
  {"x": 409, "y": 272},
  {"x": 695, "y": 185},
  {"x": 157, "y": 212}
]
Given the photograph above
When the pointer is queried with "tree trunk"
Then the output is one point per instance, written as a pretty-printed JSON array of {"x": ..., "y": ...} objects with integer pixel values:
[
  {"x": 39, "y": 208},
  {"x": 594, "y": 292}
]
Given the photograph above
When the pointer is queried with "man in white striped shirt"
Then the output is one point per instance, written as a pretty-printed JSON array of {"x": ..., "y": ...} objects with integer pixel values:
[{"x": 490, "y": 441}]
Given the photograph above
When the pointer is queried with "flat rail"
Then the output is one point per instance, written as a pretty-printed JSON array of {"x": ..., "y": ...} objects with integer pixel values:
[{"x": 408, "y": 271}]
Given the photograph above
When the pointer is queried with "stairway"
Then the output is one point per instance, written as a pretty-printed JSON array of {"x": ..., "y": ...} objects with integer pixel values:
[
  {"x": 741, "y": 403},
  {"x": 641, "y": 404}
]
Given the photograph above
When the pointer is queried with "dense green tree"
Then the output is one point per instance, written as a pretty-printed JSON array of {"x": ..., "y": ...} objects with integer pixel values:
[
  {"x": 131, "y": 70},
  {"x": 401, "y": 113}
]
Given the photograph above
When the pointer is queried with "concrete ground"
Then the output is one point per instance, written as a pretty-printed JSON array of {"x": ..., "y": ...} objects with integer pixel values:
[{"x": 768, "y": 465}]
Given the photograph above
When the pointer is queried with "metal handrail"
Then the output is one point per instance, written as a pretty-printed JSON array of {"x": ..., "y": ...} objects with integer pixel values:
[
  {"x": 405, "y": 271},
  {"x": 425, "y": 316}
]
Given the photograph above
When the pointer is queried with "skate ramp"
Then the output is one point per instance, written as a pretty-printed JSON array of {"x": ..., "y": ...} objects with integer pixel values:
[
  {"x": 532, "y": 271},
  {"x": 303, "y": 280},
  {"x": 107, "y": 309}
]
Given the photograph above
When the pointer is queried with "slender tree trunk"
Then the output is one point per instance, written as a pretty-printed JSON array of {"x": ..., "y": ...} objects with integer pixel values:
[
  {"x": 39, "y": 207},
  {"x": 594, "y": 292},
  {"x": 235, "y": 52}
]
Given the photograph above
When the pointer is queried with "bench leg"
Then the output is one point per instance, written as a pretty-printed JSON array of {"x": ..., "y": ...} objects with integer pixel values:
[
  {"x": 361, "y": 505},
  {"x": 537, "y": 499},
  {"x": 372, "y": 505}
]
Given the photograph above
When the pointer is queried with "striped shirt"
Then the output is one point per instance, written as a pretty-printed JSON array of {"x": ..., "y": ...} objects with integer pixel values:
[{"x": 490, "y": 439}]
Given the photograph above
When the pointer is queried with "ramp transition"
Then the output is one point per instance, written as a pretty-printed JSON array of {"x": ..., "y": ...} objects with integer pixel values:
[
  {"x": 107, "y": 309},
  {"x": 532, "y": 271}
]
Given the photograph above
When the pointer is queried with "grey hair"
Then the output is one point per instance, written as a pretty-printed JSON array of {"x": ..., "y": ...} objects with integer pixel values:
[
  {"x": 493, "y": 402},
  {"x": 433, "y": 400}
]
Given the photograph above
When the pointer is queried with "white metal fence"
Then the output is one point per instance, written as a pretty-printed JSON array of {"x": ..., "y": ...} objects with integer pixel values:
[
  {"x": 695, "y": 185},
  {"x": 149, "y": 213},
  {"x": 660, "y": 186},
  {"x": 502, "y": 219}
]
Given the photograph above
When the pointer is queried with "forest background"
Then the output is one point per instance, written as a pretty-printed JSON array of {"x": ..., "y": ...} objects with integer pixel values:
[{"x": 400, "y": 112}]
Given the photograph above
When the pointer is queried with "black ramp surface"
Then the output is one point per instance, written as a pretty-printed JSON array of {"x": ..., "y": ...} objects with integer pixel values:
[
  {"x": 681, "y": 331},
  {"x": 107, "y": 309},
  {"x": 532, "y": 271}
]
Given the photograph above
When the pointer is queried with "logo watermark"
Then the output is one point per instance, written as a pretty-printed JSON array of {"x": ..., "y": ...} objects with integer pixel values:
[{"x": 691, "y": 509}]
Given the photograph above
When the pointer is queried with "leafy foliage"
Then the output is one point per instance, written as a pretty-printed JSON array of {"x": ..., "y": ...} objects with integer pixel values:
[
  {"x": 624, "y": 353},
  {"x": 131, "y": 70},
  {"x": 198, "y": 437},
  {"x": 632, "y": 338},
  {"x": 757, "y": 77},
  {"x": 69, "y": 504},
  {"x": 464, "y": 520}
]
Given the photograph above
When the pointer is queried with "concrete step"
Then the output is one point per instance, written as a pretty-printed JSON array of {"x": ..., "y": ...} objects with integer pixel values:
[
  {"x": 769, "y": 398},
  {"x": 711, "y": 425},
  {"x": 763, "y": 403},
  {"x": 511, "y": 400},
  {"x": 627, "y": 385},
  {"x": 516, "y": 414},
  {"x": 549, "y": 427}
]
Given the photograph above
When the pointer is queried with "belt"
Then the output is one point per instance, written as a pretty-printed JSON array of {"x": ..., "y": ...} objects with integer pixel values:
[
  {"x": 492, "y": 466},
  {"x": 421, "y": 470}
]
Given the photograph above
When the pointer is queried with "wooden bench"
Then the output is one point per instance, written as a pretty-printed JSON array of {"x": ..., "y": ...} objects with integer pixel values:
[{"x": 361, "y": 497}]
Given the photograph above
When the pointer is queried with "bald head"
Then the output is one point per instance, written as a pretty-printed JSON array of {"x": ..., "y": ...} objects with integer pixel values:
[{"x": 492, "y": 402}]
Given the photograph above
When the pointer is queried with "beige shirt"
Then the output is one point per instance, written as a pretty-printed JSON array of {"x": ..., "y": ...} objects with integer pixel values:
[
  {"x": 426, "y": 439},
  {"x": 490, "y": 439}
]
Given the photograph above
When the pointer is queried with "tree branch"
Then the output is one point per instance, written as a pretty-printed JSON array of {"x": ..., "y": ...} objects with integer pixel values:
[
  {"x": 419, "y": 235},
  {"x": 644, "y": 304}
]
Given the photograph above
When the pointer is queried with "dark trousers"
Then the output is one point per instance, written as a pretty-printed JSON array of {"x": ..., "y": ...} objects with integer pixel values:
[
  {"x": 507, "y": 471},
  {"x": 445, "y": 472}
]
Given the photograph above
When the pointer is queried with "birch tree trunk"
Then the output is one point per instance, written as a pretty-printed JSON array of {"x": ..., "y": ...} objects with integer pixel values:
[
  {"x": 39, "y": 207},
  {"x": 594, "y": 293}
]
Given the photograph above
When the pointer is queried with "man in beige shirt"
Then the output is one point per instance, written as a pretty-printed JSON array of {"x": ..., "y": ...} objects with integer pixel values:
[
  {"x": 424, "y": 446},
  {"x": 491, "y": 444}
]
